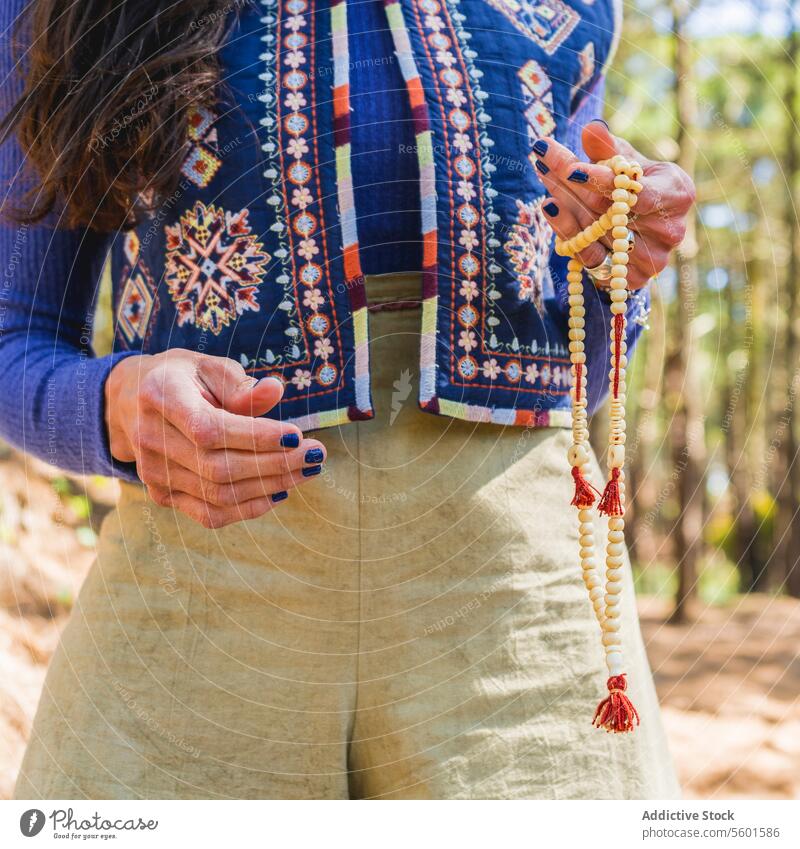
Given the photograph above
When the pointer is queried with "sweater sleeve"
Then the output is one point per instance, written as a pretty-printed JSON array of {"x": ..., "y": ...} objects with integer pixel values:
[
  {"x": 52, "y": 403},
  {"x": 598, "y": 316}
]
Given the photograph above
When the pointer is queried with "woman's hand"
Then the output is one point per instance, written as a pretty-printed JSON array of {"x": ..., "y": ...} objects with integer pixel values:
[
  {"x": 580, "y": 192},
  {"x": 190, "y": 422}
]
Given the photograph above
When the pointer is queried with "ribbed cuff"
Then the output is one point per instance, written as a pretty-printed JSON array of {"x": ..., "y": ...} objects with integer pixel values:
[{"x": 96, "y": 433}]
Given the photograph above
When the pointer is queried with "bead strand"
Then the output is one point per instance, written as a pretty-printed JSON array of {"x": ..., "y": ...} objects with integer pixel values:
[{"x": 615, "y": 712}]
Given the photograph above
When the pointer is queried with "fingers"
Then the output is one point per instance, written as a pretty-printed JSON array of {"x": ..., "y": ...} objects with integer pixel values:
[
  {"x": 566, "y": 221},
  {"x": 668, "y": 192},
  {"x": 597, "y": 141},
  {"x": 220, "y": 466},
  {"x": 647, "y": 259},
  {"x": 565, "y": 176},
  {"x": 580, "y": 191},
  {"x": 209, "y": 515},
  {"x": 230, "y": 387},
  {"x": 175, "y": 478},
  {"x": 193, "y": 425},
  {"x": 184, "y": 404},
  {"x": 159, "y": 444}
]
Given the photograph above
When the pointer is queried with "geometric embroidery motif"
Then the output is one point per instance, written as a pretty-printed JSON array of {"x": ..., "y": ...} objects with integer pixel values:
[
  {"x": 214, "y": 266},
  {"x": 538, "y": 97},
  {"x": 136, "y": 304},
  {"x": 202, "y": 162},
  {"x": 136, "y": 299},
  {"x": 546, "y": 22},
  {"x": 528, "y": 249}
]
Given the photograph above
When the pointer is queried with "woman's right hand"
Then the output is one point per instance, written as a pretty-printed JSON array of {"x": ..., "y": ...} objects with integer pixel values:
[{"x": 191, "y": 424}]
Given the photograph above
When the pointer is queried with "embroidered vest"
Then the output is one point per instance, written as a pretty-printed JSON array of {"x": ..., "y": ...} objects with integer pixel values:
[{"x": 255, "y": 256}]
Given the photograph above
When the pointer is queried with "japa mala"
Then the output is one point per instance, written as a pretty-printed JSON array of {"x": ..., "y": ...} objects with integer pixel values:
[{"x": 616, "y": 712}]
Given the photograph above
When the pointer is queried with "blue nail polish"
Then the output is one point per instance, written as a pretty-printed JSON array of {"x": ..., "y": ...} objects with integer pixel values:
[
  {"x": 600, "y": 121},
  {"x": 579, "y": 176},
  {"x": 551, "y": 209},
  {"x": 311, "y": 471},
  {"x": 540, "y": 147},
  {"x": 290, "y": 440},
  {"x": 314, "y": 455},
  {"x": 541, "y": 167},
  {"x": 279, "y": 496}
]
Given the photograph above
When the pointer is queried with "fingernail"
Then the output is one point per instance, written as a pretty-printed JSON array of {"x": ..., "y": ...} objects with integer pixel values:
[
  {"x": 290, "y": 440},
  {"x": 314, "y": 455},
  {"x": 578, "y": 177},
  {"x": 540, "y": 147},
  {"x": 311, "y": 471},
  {"x": 279, "y": 496},
  {"x": 600, "y": 121},
  {"x": 541, "y": 167},
  {"x": 551, "y": 209}
]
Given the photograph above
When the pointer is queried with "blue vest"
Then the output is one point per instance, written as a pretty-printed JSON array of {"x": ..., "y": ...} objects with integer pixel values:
[{"x": 255, "y": 256}]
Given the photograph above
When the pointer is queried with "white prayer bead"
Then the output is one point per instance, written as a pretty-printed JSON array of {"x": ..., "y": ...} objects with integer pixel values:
[
  {"x": 577, "y": 455},
  {"x": 614, "y": 662},
  {"x": 616, "y": 456}
]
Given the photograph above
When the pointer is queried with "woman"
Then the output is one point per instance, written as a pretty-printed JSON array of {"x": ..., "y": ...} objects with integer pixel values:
[{"x": 411, "y": 623}]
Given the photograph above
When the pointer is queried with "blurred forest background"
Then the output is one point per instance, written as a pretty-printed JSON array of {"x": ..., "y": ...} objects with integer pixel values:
[{"x": 713, "y": 465}]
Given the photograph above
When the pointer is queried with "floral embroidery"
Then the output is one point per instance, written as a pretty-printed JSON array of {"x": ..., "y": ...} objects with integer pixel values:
[
  {"x": 491, "y": 369},
  {"x": 293, "y": 179},
  {"x": 513, "y": 371},
  {"x": 546, "y": 22},
  {"x": 214, "y": 266},
  {"x": 471, "y": 169},
  {"x": 467, "y": 368},
  {"x": 202, "y": 161},
  {"x": 528, "y": 249}
]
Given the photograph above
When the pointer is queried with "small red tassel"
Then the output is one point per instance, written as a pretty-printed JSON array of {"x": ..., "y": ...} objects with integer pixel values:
[
  {"x": 610, "y": 504},
  {"x": 584, "y": 491},
  {"x": 616, "y": 712}
]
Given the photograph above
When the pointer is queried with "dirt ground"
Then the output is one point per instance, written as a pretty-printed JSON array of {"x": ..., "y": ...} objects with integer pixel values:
[{"x": 729, "y": 683}]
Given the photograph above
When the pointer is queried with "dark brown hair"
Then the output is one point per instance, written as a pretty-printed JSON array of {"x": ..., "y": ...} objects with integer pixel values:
[{"x": 103, "y": 115}]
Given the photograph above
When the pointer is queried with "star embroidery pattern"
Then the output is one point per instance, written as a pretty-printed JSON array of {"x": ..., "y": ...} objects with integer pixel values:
[{"x": 214, "y": 267}]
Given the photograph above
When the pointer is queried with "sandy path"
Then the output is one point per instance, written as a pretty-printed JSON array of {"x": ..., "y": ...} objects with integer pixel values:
[{"x": 730, "y": 689}]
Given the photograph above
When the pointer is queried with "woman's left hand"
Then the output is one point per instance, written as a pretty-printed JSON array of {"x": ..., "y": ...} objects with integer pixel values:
[{"x": 580, "y": 192}]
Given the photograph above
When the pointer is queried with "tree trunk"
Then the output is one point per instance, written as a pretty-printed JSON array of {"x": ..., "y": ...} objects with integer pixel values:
[
  {"x": 789, "y": 493},
  {"x": 639, "y": 451},
  {"x": 738, "y": 395},
  {"x": 687, "y": 438}
]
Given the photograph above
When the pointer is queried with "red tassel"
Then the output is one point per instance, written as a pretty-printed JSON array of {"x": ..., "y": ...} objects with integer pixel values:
[
  {"x": 584, "y": 491},
  {"x": 616, "y": 712},
  {"x": 610, "y": 504}
]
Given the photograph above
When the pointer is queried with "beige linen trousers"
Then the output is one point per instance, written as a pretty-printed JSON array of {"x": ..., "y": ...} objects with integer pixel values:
[{"x": 411, "y": 624}]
